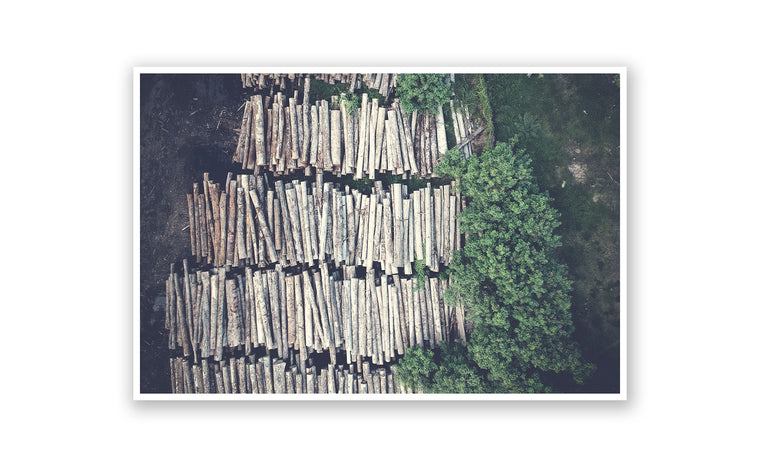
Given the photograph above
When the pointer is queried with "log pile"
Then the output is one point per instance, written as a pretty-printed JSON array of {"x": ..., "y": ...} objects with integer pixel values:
[
  {"x": 464, "y": 132},
  {"x": 385, "y": 83},
  {"x": 267, "y": 375},
  {"x": 214, "y": 313},
  {"x": 283, "y": 135},
  {"x": 252, "y": 221}
]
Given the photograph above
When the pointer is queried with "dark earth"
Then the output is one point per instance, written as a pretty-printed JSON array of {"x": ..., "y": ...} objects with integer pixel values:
[{"x": 188, "y": 126}]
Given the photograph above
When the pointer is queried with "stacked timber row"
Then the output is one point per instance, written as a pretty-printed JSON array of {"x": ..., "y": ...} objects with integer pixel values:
[
  {"x": 216, "y": 313},
  {"x": 464, "y": 132},
  {"x": 265, "y": 375},
  {"x": 251, "y": 221},
  {"x": 283, "y": 135},
  {"x": 385, "y": 83}
]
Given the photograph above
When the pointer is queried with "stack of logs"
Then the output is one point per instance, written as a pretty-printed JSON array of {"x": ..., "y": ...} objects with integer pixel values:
[
  {"x": 250, "y": 221},
  {"x": 464, "y": 132},
  {"x": 265, "y": 375},
  {"x": 217, "y": 312},
  {"x": 383, "y": 82},
  {"x": 281, "y": 135}
]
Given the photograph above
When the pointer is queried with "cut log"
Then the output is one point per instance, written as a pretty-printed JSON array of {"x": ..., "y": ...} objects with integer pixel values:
[
  {"x": 335, "y": 137},
  {"x": 300, "y": 343},
  {"x": 363, "y": 139},
  {"x": 263, "y": 227},
  {"x": 373, "y": 152},
  {"x": 313, "y": 212},
  {"x": 290, "y": 311},
  {"x": 398, "y": 226},
  {"x": 388, "y": 237},
  {"x": 258, "y": 129},
  {"x": 273, "y": 287}
]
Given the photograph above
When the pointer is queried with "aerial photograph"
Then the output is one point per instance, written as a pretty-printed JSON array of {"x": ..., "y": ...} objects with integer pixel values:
[{"x": 380, "y": 235}]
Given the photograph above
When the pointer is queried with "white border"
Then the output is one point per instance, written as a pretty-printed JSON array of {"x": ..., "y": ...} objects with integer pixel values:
[{"x": 622, "y": 396}]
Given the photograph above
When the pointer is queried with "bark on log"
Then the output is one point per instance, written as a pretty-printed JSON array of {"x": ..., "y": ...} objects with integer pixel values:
[
  {"x": 388, "y": 237},
  {"x": 363, "y": 139},
  {"x": 398, "y": 224},
  {"x": 335, "y": 137},
  {"x": 315, "y": 140},
  {"x": 379, "y": 137},
  {"x": 263, "y": 227},
  {"x": 274, "y": 309},
  {"x": 258, "y": 129}
]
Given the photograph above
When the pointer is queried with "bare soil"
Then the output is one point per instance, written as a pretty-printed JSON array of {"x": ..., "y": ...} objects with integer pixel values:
[{"x": 187, "y": 127}]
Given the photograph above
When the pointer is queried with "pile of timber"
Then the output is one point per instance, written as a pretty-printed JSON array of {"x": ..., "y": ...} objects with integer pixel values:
[
  {"x": 282, "y": 135},
  {"x": 251, "y": 221},
  {"x": 464, "y": 131},
  {"x": 383, "y": 82},
  {"x": 267, "y": 375},
  {"x": 214, "y": 313}
]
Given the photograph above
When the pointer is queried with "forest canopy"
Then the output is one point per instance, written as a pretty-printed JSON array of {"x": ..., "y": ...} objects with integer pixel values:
[{"x": 507, "y": 276}]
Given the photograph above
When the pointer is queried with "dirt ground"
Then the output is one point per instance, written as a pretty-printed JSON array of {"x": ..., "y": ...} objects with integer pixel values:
[{"x": 187, "y": 127}]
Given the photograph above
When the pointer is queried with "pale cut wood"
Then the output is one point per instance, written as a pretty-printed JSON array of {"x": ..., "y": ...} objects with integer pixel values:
[
  {"x": 240, "y": 224},
  {"x": 273, "y": 285},
  {"x": 398, "y": 225},
  {"x": 452, "y": 224},
  {"x": 326, "y": 213},
  {"x": 372, "y": 139},
  {"x": 324, "y": 135},
  {"x": 425, "y": 300},
  {"x": 348, "y": 136},
  {"x": 350, "y": 239},
  {"x": 427, "y": 204},
  {"x": 258, "y": 129},
  {"x": 436, "y": 309},
  {"x": 409, "y": 144},
  {"x": 293, "y": 122},
  {"x": 279, "y": 278},
  {"x": 388, "y": 236},
  {"x": 402, "y": 336},
  {"x": 290, "y": 310},
  {"x": 323, "y": 312},
  {"x": 385, "y": 323},
  {"x": 379, "y": 137},
  {"x": 231, "y": 222},
  {"x": 437, "y": 222},
  {"x": 252, "y": 322},
  {"x": 444, "y": 254},
  {"x": 306, "y": 309},
  {"x": 313, "y": 226},
  {"x": 362, "y": 316},
  {"x": 233, "y": 332},
  {"x": 184, "y": 334},
  {"x": 289, "y": 248},
  {"x": 221, "y": 321},
  {"x": 300, "y": 321},
  {"x": 295, "y": 222},
  {"x": 193, "y": 222},
  {"x": 370, "y": 235},
  {"x": 315, "y": 141},
  {"x": 363, "y": 139},
  {"x": 205, "y": 314},
  {"x": 272, "y": 115},
  {"x": 361, "y": 237},
  {"x": 263, "y": 327},
  {"x": 408, "y": 236},
  {"x": 335, "y": 137},
  {"x": 303, "y": 203},
  {"x": 417, "y": 312},
  {"x": 241, "y": 152},
  {"x": 263, "y": 227}
]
